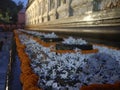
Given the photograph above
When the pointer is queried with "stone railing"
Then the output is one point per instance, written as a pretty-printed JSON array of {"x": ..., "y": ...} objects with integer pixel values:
[{"x": 72, "y": 13}]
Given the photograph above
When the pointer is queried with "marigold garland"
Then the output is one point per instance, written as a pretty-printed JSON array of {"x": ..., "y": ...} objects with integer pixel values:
[
  {"x": 30, "y": 81},
  {"x": 115, "y": 86},
  {"x": 27, "y": 77},
  {"x": 34, "y": 88},
  {"x": 24, "y": 76},
  {"x": 25, "y": 69}
]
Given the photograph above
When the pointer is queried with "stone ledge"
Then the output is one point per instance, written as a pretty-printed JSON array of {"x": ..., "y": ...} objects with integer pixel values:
[{"x": 101, "y": 18}]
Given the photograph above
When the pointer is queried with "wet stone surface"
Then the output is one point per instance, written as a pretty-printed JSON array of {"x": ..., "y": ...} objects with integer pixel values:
[
  {"x": 6, "y": 42},
  {"x": 15, "y": 80}
]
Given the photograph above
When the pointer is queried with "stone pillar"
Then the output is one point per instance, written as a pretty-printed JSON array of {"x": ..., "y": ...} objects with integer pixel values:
[
  {"x": 32, "y": 15},
  {"x": 46, "y": 4},
  {"x": 37, "y": 11},
  {"x": 81, "y": 7},
  {"x": 40, "y": 11},
  {"x": 29, "y": 16},
  {"x": 26, "y": 14},
  {"x": 35, "y": 17},
  {"x": 63, "y": 8},
  {"x": 53, "y": 10}
]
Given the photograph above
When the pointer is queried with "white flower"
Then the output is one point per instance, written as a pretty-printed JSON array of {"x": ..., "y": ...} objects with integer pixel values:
[
  {"x": 37, "y": 70},
  {"x": 52, "y": 35},
  {"x": 102, "y": 67},
  {"x": 64, "y": 76},
  {"x": 71, "y": 40},
  {"x": 49, "y": 83},
  {"x": 53, "y": 75},
  {"x": 55, "y": 85}
]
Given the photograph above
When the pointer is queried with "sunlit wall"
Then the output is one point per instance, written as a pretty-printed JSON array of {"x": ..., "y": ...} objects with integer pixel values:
[{"x": 72, "y": 12}]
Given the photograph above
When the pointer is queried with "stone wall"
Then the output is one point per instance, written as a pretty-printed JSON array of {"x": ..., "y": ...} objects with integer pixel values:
[{"x": 72, "y": 13}]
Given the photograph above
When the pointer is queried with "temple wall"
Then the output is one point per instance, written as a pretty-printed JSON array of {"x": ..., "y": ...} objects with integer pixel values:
[{"x": 72, "y": 13}]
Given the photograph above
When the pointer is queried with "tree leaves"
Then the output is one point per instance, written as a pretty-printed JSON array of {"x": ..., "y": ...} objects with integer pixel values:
[{"x": 9, "y": 10}]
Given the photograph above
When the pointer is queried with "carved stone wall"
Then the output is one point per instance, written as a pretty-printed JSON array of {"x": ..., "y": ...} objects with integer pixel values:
[
  {"x": 63, "y": 9},
  {"x": 81, "y": 6},
  {"x": 52, "y": 10},
  {"x": 75, "y": 13},
  {"x": 106, "y": 4}
]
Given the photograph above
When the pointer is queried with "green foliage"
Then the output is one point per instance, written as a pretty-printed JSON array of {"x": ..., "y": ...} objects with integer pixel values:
[{"x": 9, "y": 11}]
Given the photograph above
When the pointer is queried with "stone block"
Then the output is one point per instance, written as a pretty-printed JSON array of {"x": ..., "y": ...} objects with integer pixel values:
[
  {"x": 80, "y": 7},
  {"x": 45, "y": 17},
  {"x": 52, "y": 14},
  {"x": 63, "y": 11}
]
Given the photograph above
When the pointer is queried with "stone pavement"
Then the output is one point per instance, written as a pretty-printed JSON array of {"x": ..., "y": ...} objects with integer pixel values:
[
  {"x": 15, "y": 83},
  {"x": 4, "y": 61},
  {"x": 6, "y": 37}
]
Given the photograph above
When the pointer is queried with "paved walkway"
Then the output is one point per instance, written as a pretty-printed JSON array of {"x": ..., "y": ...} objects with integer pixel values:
[
  {"x": 6, "y": 37},
  {"x": 15, "y": 75},
  {"x": 4, "y": 61}
]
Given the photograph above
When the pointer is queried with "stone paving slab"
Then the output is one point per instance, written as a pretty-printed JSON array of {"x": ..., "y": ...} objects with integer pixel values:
[
  {"x": 15, "y": 83},
  {"x": 2, "y": 87},
  {"x": 6, "y": 37},
  {"x": 2, "y": 81},
  {"x": 3, "y": 72}
]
